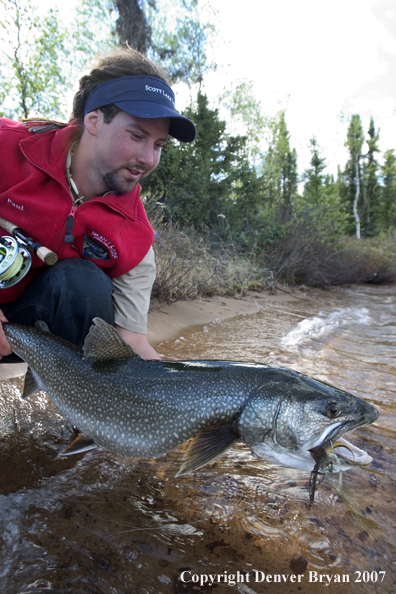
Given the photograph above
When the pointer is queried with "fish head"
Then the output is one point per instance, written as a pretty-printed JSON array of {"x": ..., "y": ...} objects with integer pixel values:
[{"x": 292, "y": 414}]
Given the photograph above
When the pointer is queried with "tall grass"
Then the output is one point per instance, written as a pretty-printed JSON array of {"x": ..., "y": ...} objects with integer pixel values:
[{"x": 188, "y": 266}]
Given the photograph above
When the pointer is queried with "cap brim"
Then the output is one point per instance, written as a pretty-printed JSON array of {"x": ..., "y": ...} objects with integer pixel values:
[{"x": 180, "y": 127}]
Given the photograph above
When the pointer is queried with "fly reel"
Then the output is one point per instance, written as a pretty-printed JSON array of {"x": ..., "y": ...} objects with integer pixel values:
[{"x": 15, "y": 262}]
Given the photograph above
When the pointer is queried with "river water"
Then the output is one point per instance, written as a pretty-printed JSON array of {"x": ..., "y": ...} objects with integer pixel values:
[{"x": 105, "y": 524}]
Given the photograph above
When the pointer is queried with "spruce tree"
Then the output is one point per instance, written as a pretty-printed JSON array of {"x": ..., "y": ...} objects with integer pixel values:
[
  {"x": 280, "y": 172},
  {"x": 370, "y": 181},
  {"x": 194, "y": 181},
  {"x": 385, "y": 211},
  {"x": 313, "y": 176}
]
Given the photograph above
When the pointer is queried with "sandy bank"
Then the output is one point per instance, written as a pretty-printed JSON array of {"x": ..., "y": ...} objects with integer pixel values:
[{"x": 168, "y": 322}]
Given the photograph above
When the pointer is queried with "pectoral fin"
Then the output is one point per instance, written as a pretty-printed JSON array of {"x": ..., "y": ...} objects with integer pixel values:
[
  {"x": 31, "y": 386},
  {"x": 79, "y": 445},
  {"x": 206, "y": 446}
]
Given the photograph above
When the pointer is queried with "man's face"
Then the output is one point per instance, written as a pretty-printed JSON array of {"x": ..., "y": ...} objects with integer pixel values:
[{"x": 127, "y": 150}]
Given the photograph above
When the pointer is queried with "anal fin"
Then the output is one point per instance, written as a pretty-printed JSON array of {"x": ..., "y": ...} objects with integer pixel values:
[
  {"x": 79, "y": 445},
  {"x": 206, "y": 446}
]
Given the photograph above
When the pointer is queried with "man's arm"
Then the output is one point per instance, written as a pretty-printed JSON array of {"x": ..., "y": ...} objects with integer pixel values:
[
  {"x": 139, "y": 343},
  {"x": 131, "y": 298}
]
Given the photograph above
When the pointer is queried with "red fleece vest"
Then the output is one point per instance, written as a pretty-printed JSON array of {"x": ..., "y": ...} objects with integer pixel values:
[{"x": 112, "y": 231}]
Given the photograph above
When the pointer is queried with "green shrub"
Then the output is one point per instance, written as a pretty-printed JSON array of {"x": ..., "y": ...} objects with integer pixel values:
[
  {"x": 190, "y": 264},
  {"x": 304, "y": 254}
]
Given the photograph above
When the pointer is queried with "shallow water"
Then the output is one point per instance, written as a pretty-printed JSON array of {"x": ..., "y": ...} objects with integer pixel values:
[{"x": 103, "y": 523}]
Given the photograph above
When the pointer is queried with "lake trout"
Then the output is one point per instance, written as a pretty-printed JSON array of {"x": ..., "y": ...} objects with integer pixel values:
[{"x": 146, "y": 408}]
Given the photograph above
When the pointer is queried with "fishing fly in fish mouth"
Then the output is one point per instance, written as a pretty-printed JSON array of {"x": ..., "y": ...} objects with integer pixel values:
[{"x": 142, "y": 408}]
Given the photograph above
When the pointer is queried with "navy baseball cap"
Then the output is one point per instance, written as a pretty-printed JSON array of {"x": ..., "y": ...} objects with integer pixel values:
[{"x": 146, "y": 97}]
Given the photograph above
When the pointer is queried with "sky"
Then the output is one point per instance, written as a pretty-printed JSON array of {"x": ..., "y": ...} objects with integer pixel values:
[{"x": 320, "y": 61}]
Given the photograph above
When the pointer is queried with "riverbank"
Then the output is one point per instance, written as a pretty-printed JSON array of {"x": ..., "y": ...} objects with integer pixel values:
[{"x": 168, "y": 322}]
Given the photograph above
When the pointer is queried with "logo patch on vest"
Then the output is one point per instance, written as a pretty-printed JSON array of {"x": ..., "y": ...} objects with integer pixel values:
[{"x": 94, "y": 250}]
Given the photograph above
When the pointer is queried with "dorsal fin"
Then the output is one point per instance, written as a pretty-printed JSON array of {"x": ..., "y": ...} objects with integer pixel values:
[
  {"x": 103, "y": 343},
  {"x": 207, "y": 445},
  {"x": 30, "y": 387}
]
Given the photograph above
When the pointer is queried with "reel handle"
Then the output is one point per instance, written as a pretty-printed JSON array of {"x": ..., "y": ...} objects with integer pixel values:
[{"x": 45, "y": 254}]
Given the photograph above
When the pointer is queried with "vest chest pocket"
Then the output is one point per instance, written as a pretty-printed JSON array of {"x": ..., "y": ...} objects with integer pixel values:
[{"x": 94, "y": 250}]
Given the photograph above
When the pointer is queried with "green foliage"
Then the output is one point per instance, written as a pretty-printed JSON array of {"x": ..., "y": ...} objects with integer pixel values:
[
  {"x": 314, "y": 178},
  {"x": 193, "y": 180},
  {"x": 371, "y": 188},
  {"x": 280, "y": 172},
  {"x": 321, "y": 196},
  {"x": 245, "y": 113},
  {"x": 365, "y": 188},
  {"x": 183, "y": 49},
  {"x": 355, "y": 137},
  {"x": 32, "y": 65},
  {"x": 176, "y": 35},
  {"x": 385, "y": 212},
  {"x": 307, "y": 254},
  {"x": 93, "y": 31},
  {"x": 353, "y": 173},
  {"x": 244, "y": 197},
  {"x": 245, "y": 204}
]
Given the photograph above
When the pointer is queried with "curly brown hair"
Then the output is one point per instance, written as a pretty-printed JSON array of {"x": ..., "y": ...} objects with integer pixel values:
[{"x": 124, "y": 61}]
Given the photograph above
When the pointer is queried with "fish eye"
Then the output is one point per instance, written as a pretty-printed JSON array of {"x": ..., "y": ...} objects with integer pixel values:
[{"x": 333, "y": 411}]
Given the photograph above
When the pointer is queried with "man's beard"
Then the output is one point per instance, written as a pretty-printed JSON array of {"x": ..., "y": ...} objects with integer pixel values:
[{"x": 118, "y": 183}]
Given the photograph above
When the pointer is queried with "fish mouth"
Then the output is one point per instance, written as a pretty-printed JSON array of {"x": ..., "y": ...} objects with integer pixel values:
[
  {"x": 331, "y": 441},
  {"x": 351, "y": 453}
]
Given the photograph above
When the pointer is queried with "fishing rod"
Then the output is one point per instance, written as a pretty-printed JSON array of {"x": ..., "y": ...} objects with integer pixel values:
[{"x": 15, "y": 257}]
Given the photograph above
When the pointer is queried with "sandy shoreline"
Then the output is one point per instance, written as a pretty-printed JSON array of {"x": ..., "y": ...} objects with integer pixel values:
[{"x": 168, "y": 322}]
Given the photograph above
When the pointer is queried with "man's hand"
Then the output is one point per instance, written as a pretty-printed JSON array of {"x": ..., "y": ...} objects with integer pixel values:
[
  {"x": 5, "y": 348},
  {"x": 139, "y": 343}
]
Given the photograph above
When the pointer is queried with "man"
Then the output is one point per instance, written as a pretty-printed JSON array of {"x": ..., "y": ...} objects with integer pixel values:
[{"x": 75, "y": 188}]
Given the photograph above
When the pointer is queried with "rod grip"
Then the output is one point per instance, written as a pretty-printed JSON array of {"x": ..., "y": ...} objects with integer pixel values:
[
  {"x": 47, "y": 256},
  {"x": 10, "y": 227}
]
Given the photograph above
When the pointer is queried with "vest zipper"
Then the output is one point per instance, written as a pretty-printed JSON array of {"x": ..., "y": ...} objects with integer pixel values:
[{"x": 69, "y": 227}]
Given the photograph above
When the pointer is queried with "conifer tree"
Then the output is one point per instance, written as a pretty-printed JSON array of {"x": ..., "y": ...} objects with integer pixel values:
[
  {"x": 370, "y": 181},
  {"x": 245, "y": 201},
  {"x": 280, "y": 171},
  {"x": 313, "y": 176},
  {"x": 321, "y": 201},
  {"x": 193, "y": 181},
  {"x": 385, "y": 210}
]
